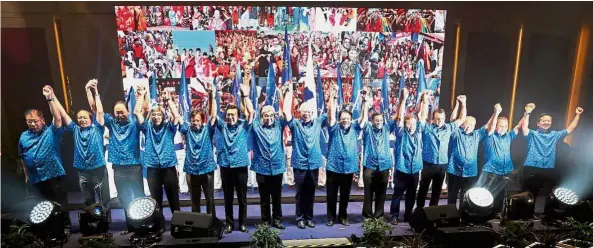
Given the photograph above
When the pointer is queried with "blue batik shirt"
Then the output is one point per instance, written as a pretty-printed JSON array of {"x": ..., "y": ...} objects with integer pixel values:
[
  {"x": 541, "y": 148},
  {"x": 160, "y": 146},
  {"x": 464, "y": 152},
  {"x": 498, "y": 153},
  {"x": 435, "y": 142},
  {"x": 41, "y": 153},
  {"x": 199, "y": 153},
  {"x": 124, "y": 140},
  {"x": 342, "y": 156},
  {"x": 89, "y": 152},
  {"x": 232, "y": 150},
  {"x": 306, "y": 151},
  {"x": 377, "y": 154},
  {"x": 268, "y": 152},
  {"x": 408, "y": 149}
]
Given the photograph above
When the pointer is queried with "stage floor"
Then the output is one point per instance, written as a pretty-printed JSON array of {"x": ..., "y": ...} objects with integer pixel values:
[{"x": 292, "y": 232}]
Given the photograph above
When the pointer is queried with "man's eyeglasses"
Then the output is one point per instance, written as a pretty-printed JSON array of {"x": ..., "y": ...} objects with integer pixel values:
[{"x": 32, "y": 121}]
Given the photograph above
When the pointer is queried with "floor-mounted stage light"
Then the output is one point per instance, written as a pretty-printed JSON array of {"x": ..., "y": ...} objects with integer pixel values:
[
  {"x": 47, "y": 222},
  {"x": 94, "y": 220},
  {"x": 477, "y": 205},
  {"x": 559, "y": 203},
  {"x": 145, "y": 220},
  {"x": 520, "y": 206}
]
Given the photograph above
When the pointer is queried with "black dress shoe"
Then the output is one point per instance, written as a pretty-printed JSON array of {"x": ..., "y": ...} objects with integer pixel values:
[
  {"x": 124, "y": 232},
  {"x": 278, "y": 225},
  {"x": 243, "y": 228},
  {"x": 344, "y": 222},
  {"x": 310, "y": 224},
  {"x": 301, "y": 224},
  {"x": 330, "y": 223},
  {"x": 228, "y": 229}
]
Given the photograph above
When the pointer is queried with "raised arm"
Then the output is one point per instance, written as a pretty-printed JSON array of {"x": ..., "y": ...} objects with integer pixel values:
[
  {"x": 402, "y": 108},
  {"x": 61, "y": 111},
  {"x": 212, "y": 107},
  {"x": 176, "y": 118},
  {"x": 423, "y": 111},
  {"x": 455, "y": 111},
  {"x": 462, "y": 100},
  {"x": 519, "y": 125},
  {"x": 89, "y": 95},
  {"x": 491, "y": 125},
  {"x": 100, "y": 113},
  {"x": 575, "y": 122},
  {"x": 48, "y": 92},
  {"x": 365, "y": 109},
  {"x": 287, "y": 108},
  {"x": 525, "y": 125},
  {"x": 249, "y": 112},
  {"x": 139, "y": 109},
  {"x": 331, "y": 106}
]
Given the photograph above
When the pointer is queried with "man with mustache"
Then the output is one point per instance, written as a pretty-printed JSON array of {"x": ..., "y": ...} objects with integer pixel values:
[
  {"x": 541, "y": 151},
  {"x": 39, "y": 150}
]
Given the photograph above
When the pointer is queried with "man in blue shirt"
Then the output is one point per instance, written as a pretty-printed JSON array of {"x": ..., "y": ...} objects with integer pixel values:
[
  {"x": 498, "y": 164},
  {"x": 159, "y": 154},
  {"x": 376, "y": 161},
  {"x": 306, "y": 157},
  {"x": 199, "y": 163},
  {"x": 462, "y": 171},
  {"x": 39, "y": 149},
  {"x": 124, "y": 150},
  {"x": 268, "y": 163},
  {"x": 89, "y": 152},
  {"x": 233, "y": 159},
  {"x": 435, "y": 152},
  {"x": 541, "y": 150},
  {"x": 342, "y": 158},
  {"x": 408, "y": 156}
]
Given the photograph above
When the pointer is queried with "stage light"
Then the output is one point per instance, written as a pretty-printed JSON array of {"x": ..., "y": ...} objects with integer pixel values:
[
  {"x": 559, "y": 204},
  {"x": 94, "y": 220},
  {"x": 520, "y": 206},
  {"x": 47, "y": 221},
  {"x": 477, "y": 205},
  {"x": 145, "y": 221}
]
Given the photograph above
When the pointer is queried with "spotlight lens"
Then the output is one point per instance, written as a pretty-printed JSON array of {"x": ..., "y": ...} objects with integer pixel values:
[
  {"x": 480, "y": 196},
  {"x": 97, "y": 211},
  {"x": 141, "y": 208},
  {"x": 41, "y": 212},
  {"x": 566, "y": 196}
]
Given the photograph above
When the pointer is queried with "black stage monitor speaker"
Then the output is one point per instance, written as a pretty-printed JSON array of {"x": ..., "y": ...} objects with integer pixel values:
[
  {"x": 195, "y": 225},
  {"x": 475, "y": 237},
  {"x": 582, "y": 212},
  {"x": 434, "y": 216}
]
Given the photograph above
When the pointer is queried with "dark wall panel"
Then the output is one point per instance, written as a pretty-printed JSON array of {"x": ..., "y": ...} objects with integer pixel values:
[{"x": 486, "y": 79}]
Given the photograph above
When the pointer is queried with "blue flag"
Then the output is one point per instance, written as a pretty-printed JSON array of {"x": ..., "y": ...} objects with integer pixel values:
[
  {"x": 421, "y": 79},
  {"x": 385, "y": 95},
  {"x": 320, "y": 98},
  {"x": 253, "y": 93},
  {"x": 339, "y": 82},
  {"x": 356, "y": 87},
  {"x": 184, "y": 99},
  {"x": 236, "y": 85},
  {"x": 286, "y": 67},
  {"x": 216, "y": 99},
  {"x": 271, "y": 96},
  {"x": 131, "y": 99},
  {"x": 153, "y": 92}
]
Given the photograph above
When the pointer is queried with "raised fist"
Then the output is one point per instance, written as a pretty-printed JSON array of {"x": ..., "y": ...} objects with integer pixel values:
[
  {"x": 462, "y": 99},
  {"x": 529, "y": 108},
  {"x": 497, "y": 108},
  {"x": 47, "y": 91},
  {"x": 579, "y": 110}
]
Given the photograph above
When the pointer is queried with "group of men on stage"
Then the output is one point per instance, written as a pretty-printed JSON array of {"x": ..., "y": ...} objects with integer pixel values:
[{"x": 424, "y": 142}]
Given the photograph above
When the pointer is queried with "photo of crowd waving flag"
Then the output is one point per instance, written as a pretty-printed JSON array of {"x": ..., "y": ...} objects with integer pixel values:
[{"x": 265, "y": 46}]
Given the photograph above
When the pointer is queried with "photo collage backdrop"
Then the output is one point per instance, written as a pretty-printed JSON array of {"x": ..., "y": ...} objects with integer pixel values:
[{"x": 402, "y": 46}]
